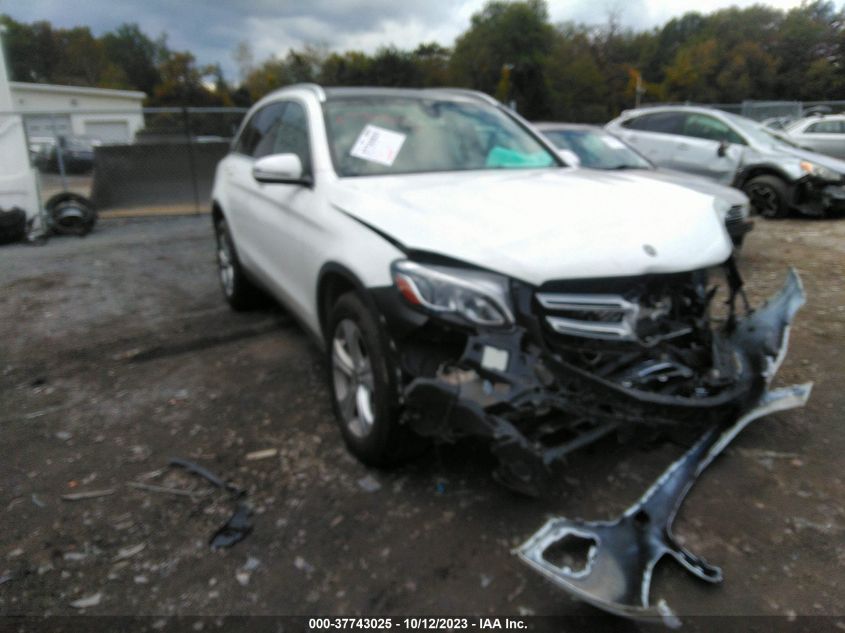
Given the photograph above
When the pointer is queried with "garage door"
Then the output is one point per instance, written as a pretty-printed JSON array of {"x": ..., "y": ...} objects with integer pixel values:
[
  {"x": 47, "y": 126},
  {"x": 108, "y": 132}
]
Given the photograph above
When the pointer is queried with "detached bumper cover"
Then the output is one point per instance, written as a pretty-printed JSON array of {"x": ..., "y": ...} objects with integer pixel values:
[{"x": 624, "y": 551}]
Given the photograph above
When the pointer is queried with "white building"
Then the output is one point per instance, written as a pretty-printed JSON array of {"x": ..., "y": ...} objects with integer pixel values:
[{"x": 110, "y": 116}]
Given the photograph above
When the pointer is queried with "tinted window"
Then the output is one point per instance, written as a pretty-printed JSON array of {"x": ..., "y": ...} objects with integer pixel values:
[
  {"x": 257, "y": 129},
  {"x": 707, "y": 127},
  {"x": 664, "y": 122},
  {"x": 825, "y": 127}
]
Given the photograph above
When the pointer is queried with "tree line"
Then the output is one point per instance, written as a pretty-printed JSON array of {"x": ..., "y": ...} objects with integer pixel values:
[{"x": 512, "y": 50}]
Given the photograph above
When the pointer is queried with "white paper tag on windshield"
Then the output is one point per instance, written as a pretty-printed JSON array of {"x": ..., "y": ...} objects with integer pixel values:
[
  {"x": 613, "y": 142},
  {"x": 378, "y": 145}
]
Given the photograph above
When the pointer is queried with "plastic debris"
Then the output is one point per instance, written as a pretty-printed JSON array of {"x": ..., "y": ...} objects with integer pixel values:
[
  {"x": 263, "y": 454},
  {"x": 128, "y": 552},
  {"x": 369, "y": 484},
  {"x": 87, "y": 601},
  {"x": 90, "y": 494}
]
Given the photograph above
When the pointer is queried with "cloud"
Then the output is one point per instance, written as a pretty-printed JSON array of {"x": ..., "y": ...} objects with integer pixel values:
[{"x": 212, "y": 30}]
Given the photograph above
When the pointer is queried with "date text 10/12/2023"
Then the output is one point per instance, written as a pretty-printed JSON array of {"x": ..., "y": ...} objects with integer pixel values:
[{"x": 417, "y": 623}]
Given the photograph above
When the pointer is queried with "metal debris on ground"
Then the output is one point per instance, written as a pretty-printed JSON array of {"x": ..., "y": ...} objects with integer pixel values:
[
  {"x": 239, "y": 525},
  {"x": 621, "y": 554},
  {"x": 90, "y": 494},
  {"x": 137, "y": 485}
]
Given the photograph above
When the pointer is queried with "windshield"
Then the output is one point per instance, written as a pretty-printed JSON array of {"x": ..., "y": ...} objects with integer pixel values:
[
  {"x": 377, "y": 135},
  {"x": 597, "y": 150}
]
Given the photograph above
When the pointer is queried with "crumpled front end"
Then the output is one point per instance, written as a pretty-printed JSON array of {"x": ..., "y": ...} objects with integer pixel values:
[
  {"x": 624, "y": 551},
  {"x": 584, "y": 359}
]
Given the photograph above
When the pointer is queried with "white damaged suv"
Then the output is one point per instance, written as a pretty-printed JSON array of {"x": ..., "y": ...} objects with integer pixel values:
[{"x": 465, "y": 282}]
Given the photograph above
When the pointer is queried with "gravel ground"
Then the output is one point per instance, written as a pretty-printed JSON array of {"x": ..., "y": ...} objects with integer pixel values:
[{"x": 117, "y": 353}]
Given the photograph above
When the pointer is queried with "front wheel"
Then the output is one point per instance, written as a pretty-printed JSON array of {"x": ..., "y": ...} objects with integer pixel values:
[
  {"x": 363, "y": 382},
  {"x": 768, "y": 196}
]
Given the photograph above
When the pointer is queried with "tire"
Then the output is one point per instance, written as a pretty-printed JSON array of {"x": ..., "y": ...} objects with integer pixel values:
[
  {"x": 239, "y": 291},
  {"x": 71, "y": 214},
  {"x": 768, "y": 196},
  {"x": 362, "y": 380}
]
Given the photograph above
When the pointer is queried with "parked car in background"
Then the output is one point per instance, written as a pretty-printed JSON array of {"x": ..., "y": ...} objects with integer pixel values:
[
  {"x": 595, "y": 148},
  {"x": 777, "y": 174},
  {"x": 823, "y": 134},
  {"x": 777, "y": 122},
  {"x": 463, "y": 281},
  {"x": 77, "y": 153}
]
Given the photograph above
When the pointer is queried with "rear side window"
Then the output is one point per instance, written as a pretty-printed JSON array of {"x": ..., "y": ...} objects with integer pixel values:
[
  {"x": 258, "y": 131},
  {"x": 710, "y": 128},
  {"x": 663, "y": 122},
  {"x": 825, "y": 127}
]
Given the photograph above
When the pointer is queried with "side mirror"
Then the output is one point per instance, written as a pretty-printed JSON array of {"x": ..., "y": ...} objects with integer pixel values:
[
  {"x": 280, "y": 169},
  {"x": 569, "y": 157},
  {"x": 723, "y": 149}
]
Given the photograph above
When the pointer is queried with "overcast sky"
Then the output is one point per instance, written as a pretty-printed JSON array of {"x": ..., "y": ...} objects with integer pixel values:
[{"x": 212, "y": 29}]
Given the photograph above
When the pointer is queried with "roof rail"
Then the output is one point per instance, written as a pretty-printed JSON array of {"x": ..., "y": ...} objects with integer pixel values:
[
  {"x": 314, "y": 88},
  {"x": 466, "y": 92}
]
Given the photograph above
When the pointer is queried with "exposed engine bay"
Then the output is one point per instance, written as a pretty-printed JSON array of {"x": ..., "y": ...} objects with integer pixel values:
[{"x": 583, "y": 359}]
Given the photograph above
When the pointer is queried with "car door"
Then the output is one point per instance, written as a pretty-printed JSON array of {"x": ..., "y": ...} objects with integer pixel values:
[
  {"x": 826, "y": 137},
  {"x": 708, "y": 147},
  {"x": 237, "y": 170},
  {"x": 653, "y": 134},
  {"x": 271, "y": 217}
]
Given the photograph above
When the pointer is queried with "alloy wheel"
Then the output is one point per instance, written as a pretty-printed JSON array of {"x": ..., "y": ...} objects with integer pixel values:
[
  {"x": 352, "y": 372},
  {"x": 225, "y": 265}
]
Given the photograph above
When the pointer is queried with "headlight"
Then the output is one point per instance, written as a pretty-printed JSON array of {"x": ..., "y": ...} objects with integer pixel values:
[
  {"x": 819, "y": 171},
  {"x": 476, "y": 297}
]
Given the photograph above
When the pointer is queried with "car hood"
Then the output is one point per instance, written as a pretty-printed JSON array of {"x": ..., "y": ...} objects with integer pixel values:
[
  {"x": 540, "y": 225},
  {"x": 730, "y": 195},
  {"x": 821, "y": 159}
]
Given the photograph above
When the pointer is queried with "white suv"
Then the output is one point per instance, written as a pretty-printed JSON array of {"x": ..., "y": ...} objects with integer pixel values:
[{"x": 465, "y": 282}]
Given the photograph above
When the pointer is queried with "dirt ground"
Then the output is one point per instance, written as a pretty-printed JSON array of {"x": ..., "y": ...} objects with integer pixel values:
[{"x": 117, "y": 354}]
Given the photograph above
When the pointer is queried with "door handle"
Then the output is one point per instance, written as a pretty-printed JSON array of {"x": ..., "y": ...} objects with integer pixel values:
[{"x": 683, "y": 146}]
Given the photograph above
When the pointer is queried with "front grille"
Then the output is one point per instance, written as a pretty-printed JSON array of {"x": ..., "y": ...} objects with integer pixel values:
[{"x": 597, "y": 316}]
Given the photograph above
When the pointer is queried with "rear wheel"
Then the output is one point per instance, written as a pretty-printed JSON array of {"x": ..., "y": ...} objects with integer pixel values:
[
  {"x": 768, "y": 196},
  {"x": 237, "y": 288},
  {"x": 363, "y": 382}
]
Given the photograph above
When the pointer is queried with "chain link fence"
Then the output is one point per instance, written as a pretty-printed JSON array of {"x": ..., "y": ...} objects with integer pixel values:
[{"x": 150, "y": 160}]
